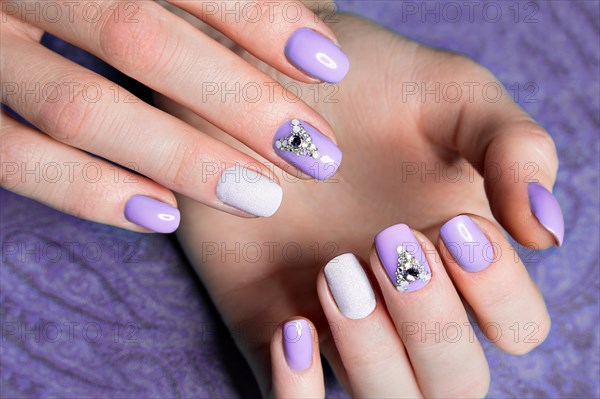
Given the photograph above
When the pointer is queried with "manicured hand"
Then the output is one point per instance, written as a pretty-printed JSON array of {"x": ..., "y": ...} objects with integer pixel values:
[
  {"x": 83, "y": 114},
  {"x": 444, "y": 168}
]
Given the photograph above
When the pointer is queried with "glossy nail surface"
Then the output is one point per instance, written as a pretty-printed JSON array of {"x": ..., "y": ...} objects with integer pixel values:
[
  {"x": 249, "y": 191},
  {"x": 403, "y": 258},
  {"x": 307, "y": 149},
  {"x": 297, "y": 344},
  {"x": 350, "y": 286},
  {"x": 467, "y": 243},
  {"x": 317, "y": 56},
  {"x": 152, "y": 214},
  {"x": 546, "y": 209}
]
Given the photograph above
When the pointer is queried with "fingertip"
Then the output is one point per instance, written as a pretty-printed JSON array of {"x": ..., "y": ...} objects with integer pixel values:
[
  {"x": 502, "y": 295},
  {"x": 152, "y": 214},
  {"x": 317, "y": 55},
  {"x": 347, "y": 290},
  {"x": 296, "y": 363},
  {"x": 547, "y": 210}
]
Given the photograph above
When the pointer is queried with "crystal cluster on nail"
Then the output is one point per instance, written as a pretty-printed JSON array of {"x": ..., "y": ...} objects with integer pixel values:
[
  {"x": 409, "y": 270},
  {"x": 298, "y": 141}
]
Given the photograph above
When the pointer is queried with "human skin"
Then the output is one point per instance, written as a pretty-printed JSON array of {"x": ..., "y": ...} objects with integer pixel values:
[
  {"x": 380, "y": 133},
  {"x": 84, "y": 114}
]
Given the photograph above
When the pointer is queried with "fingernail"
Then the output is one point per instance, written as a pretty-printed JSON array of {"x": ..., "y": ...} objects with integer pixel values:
[
  {"x": 316, "y": 55},
  {"x": 152, "y": 214},
  {"x": 249, "y": 191},
  {"x": 467, "y": 243},
  {"x": 403, "y": 258},
  {"x": 350, "y": 286},
  {"x": 297, "y": 344},
  {"x": 307, "y": 149},
  {"x": 547, "y": 210}
]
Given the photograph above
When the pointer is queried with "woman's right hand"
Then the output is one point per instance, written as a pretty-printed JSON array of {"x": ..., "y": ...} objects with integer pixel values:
[{"x": 83, "y": 114}]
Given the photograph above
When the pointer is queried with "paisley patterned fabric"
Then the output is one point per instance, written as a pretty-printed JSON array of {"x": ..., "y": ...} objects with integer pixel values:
[{"x": 90, "y": 311}]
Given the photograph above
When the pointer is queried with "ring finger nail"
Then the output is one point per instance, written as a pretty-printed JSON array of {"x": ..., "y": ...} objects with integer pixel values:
[
  {"x": 467, "y": 243},
  {"x": 317, "y": 55},
  {"x": 152, "y": 214},
  {"x": 297, "y": 344},
  {"x": 249, "y": 191},
  {"x": 403, "y": 258},
  {"x": 350, "y": 287},
  {"x": 547, "y": 210},
  {"x": 307, "y": 149}
]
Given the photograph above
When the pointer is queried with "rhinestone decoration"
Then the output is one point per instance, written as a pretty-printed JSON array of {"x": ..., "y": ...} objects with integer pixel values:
[
  {"x": 409, "y": 270},
  {"x": 298, "y": 141}
]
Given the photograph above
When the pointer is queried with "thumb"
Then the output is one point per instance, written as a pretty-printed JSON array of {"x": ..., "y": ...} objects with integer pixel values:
[
  {"x": 517, "y": 159},
  {"x": 520, "y": 166}
]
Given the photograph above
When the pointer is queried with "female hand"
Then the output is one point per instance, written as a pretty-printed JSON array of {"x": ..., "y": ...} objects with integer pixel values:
[
  {"x": 411, "y": 159},
  {"x": 81, "y": 112},
  {"x": 399, "y": 329}
]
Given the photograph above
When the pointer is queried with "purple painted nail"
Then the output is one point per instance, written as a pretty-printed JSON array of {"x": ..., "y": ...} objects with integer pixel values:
[
  {"x": 307, "y": 149},
  {"x": 467, "y": 243},
  {"x": 316, "y": 55},
  {"x": 297, "y": 344},
  {"x": 547, "y": 210},
  {"x": 152, "y": 214},
  {"x": 403, "y": 258}
]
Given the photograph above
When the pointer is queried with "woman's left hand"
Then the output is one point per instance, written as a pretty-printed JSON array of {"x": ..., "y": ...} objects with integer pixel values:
[{"x": 413, "y": 157}]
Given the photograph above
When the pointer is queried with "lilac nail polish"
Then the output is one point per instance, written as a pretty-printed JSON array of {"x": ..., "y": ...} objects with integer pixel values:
[
  {"x": 307, "y": 149},
  {"x": 316, "y": 55},
  {"x": 467, "y": 243},
  {"x": 403, "y": 258},
  {"x": 547, "y": 210},
  {"x": 297, "y": 344},
  {"x": 152, "y": 214}
]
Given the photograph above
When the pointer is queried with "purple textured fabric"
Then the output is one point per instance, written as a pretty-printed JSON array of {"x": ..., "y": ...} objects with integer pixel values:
[{"x": 134, "y": 322}]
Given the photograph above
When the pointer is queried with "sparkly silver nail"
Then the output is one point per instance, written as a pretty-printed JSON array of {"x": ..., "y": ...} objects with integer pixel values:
[
  {"x": 298, "y": 141},
  {"x": 409, "y": 270}
]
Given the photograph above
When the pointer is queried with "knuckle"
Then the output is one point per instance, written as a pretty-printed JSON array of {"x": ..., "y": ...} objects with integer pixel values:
[
  {"x": 181, "y": 171},
  {"x": 255, "y": 16},
  {"x": 543, "y": 143},
  {"x": 372, "y": 353},
  {"x": 466, "y": 67},
  {"x": 137, "y": 46},
  {"x": 70, "y": 116},
  {"x": 89, "y": 197},
  {"x": 535, "y": 334},
  {"x": 439, "y": 329},
  {"x": 15, "y": 152}
]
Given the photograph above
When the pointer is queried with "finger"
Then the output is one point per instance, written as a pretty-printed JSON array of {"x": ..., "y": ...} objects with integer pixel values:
[
  {"x": 372, "y": 353},
  {"x": 516, "y": 157},
  {"x": 128, "y": 131},
  {"x": 287, "y": 36},
  {"x": 171, "y": 56},
  {"x": 429, "y": 316},
  {"x": 489, "y": 274},
  {"x": 296, "y": 363},
  {"x": 64, "y": 178}
]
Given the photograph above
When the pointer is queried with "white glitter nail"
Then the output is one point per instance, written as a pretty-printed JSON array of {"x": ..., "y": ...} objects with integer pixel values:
[
  {"x": 249, "y": 191},
  {"x": 350, "y": 287}
]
